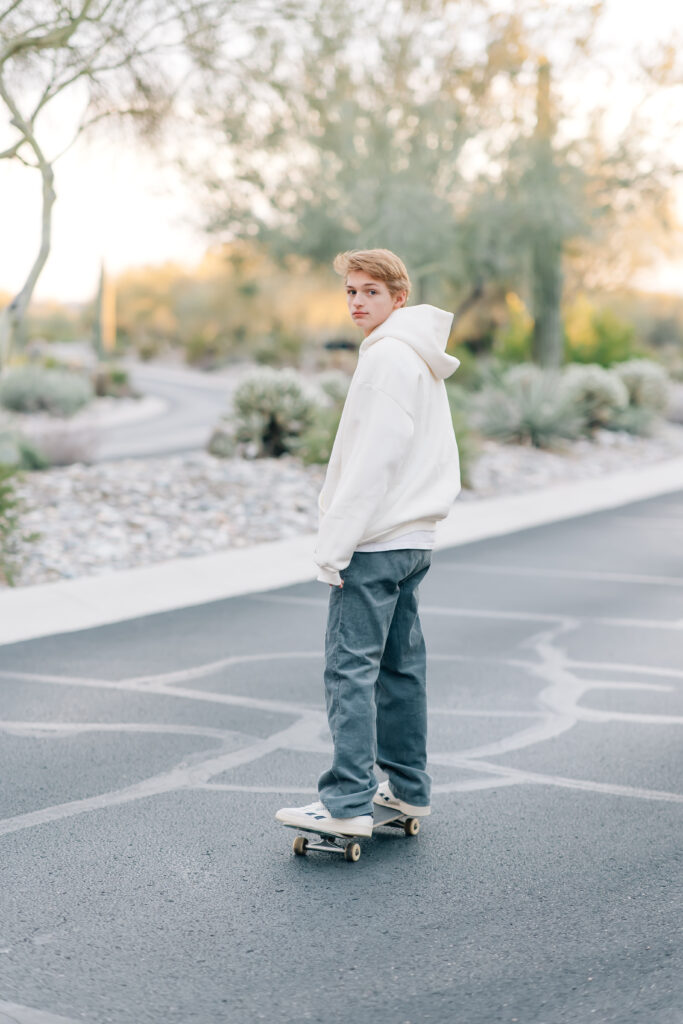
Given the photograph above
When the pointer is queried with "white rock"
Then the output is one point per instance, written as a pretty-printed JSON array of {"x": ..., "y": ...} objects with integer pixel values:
[{"x": 131, "y": 512}]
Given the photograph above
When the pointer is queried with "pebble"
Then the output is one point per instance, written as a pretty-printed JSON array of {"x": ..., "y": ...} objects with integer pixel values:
[
  {"x": 501, "y": 469},
  {"x": 133, "y": 512}
]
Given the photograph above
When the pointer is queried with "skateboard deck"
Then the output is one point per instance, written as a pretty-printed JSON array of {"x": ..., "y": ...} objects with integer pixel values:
[{"x": 348, "y": 846}]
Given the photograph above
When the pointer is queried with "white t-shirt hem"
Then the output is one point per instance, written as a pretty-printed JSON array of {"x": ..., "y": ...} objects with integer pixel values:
[{"x": 414, "y": 539}]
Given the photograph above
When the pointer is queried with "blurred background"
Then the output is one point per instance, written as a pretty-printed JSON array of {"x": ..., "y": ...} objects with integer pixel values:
[{"x": 175, "y": 179}]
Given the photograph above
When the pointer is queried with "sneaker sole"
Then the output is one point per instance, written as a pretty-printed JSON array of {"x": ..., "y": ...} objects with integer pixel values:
[
  {"x": 408, "y": 809},
  {"x": 309, "y": 826}
]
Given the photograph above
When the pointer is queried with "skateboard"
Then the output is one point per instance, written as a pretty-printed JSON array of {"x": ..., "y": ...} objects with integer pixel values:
[{"x": 329, "y": 842}]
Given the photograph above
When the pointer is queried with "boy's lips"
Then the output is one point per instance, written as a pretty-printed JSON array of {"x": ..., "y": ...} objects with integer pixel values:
[{"x": 360, "y": 314}]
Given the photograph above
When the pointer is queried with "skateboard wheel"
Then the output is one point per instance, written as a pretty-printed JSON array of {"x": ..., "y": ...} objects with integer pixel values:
[
  {"x": 300, "y": 846},
  {"x": 352, "y": 851},
  {"x": 411, "y": 826}
]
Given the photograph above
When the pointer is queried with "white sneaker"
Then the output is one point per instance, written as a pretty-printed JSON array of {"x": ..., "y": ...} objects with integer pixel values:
[
  {"x": 385, "y": 798},
  {"x": 317, "y": 817}
]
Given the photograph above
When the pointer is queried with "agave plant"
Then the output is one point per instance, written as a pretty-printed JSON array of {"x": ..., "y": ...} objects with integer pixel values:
[
  {"x": 597, "y": 394},
  {"x": 530, "y": 406}
]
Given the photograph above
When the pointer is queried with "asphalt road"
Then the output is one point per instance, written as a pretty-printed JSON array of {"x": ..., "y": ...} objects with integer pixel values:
[
  {"x": 194, "y": 405},
  {"x": 143, "y": 879}
]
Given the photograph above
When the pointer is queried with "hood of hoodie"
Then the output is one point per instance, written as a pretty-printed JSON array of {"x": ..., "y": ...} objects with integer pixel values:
[{"x": 426, "y": 329}]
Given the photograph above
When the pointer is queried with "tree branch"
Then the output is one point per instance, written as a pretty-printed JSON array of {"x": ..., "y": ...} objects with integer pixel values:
[
  {"x": 8, "y": 10},
  {"x": 12, "y": 151},
  {"x": 54, "y": 38},
  {"x": 18, "y": 305}
]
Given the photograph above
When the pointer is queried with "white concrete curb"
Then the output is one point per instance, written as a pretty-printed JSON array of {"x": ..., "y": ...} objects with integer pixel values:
[
  {"x": 145, "y": 408},
  {"x": 66, "y": 606},
  {"x": 132, "y": 410}
]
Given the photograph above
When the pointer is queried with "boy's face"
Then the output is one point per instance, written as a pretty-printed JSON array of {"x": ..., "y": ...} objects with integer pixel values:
[{"x": 370, "y": 302}]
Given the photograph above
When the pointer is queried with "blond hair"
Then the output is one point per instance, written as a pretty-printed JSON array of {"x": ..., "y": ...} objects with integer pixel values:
[{"x": 381, "y": 264}]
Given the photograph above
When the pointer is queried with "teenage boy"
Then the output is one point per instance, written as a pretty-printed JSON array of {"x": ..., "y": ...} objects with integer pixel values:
[{"x": 393, "y": 473}]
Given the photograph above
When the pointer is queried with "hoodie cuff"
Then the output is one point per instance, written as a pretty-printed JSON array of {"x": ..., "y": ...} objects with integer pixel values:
[{"x": 330, "y": 576}]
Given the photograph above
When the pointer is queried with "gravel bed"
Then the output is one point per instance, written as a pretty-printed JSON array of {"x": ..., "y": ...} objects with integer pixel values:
[
  {"x": 117, "y": 515},
  {"x": 503, "y": 469}
]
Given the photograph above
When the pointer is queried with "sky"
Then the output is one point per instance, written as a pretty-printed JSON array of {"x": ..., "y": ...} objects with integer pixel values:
[{"x": 120, "y": 204}]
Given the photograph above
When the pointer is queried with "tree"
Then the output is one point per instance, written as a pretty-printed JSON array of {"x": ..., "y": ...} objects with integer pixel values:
[
  {"x": 446, "y": 139},
  {"x": 119, "y": 59},
  {"x": 340, "y": 142}
]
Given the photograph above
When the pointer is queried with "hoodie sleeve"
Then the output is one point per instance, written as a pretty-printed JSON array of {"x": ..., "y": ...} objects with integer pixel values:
[{"x": 379, "y": 434}]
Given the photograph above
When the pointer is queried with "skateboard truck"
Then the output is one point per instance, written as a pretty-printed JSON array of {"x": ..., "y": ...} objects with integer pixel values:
[{"x": 348, "y": 846}]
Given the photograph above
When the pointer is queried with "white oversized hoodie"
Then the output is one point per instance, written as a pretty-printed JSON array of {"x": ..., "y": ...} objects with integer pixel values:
[{"x": 394, "y": 464}]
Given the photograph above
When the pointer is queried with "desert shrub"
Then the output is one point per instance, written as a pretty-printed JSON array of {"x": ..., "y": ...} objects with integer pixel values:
[
  {"x": 39, "y": 442},
  {"x": 598, "y": 336},
  {"x": 468, "y": 446},
  {"x": 335, "y": 385},
  {"x": 109, "y": 379},
  {"x": 149, "y": 348},
  {"x": 33, "y": 389},
  {"x": 280, "y": 347},
  {"x": 530, "y": 406},
  {"x": 315, "y": 444},
  {"x": 63, "y": 443},
  {"x": 223, "y": 442},
  {"x": 271, "y": 410},
  {"x": 634, "y": 419},
  {"x": 597, "y": 394},
  {"x": 18, "y": 451},
  {"x": 484, "y": 371},
  {"x": 468, "y": 371},
  {"x": 204, "y": 349},
  {"x": 9, "y": 521},
  {"x": 647, "y": 384},
  {"x": 671, "y": 357},
  {"x": 513, "y": 342},
  {"x": 11, "y": 507},
  {"x": 49, "y": 362}
]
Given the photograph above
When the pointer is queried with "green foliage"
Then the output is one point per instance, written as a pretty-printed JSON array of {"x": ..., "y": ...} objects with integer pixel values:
[
  {"x": 109, "y": 379},
  {"x": 647, "y": 384},
  {"x": 633, "y": 419},
  {"x": 484, "y": 371},
  {"x": 10, "y": 531},
  {"x": 468, "y": 447},
  {"x": 334, "y": 384},
  {"x": 672, "y": 360},
  {"x": 238, "y": 303},
  {"x": 223, "y": 441},
  {"x": 367, "y": 147},
  {"x": 205, "y": 351},
  {"x": 315, "y": 444},
  {"x": 513, "y": 342},
  {"x": 51, "y": 363},
  {"x": 529, "y": 407},
  {"x": 49, "y": 320},
  {"x": 9, "y": 521},
  {"x": 469, "y": 370},
  {"x": 272, "y": 409},
  {"x": 33, "y": 389},
  {"x": 598, "y": 336},
  {"x": 279, "y": 348},
  {"x": 596, "y": 393},
  {"x": 18, "y": 451}
]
